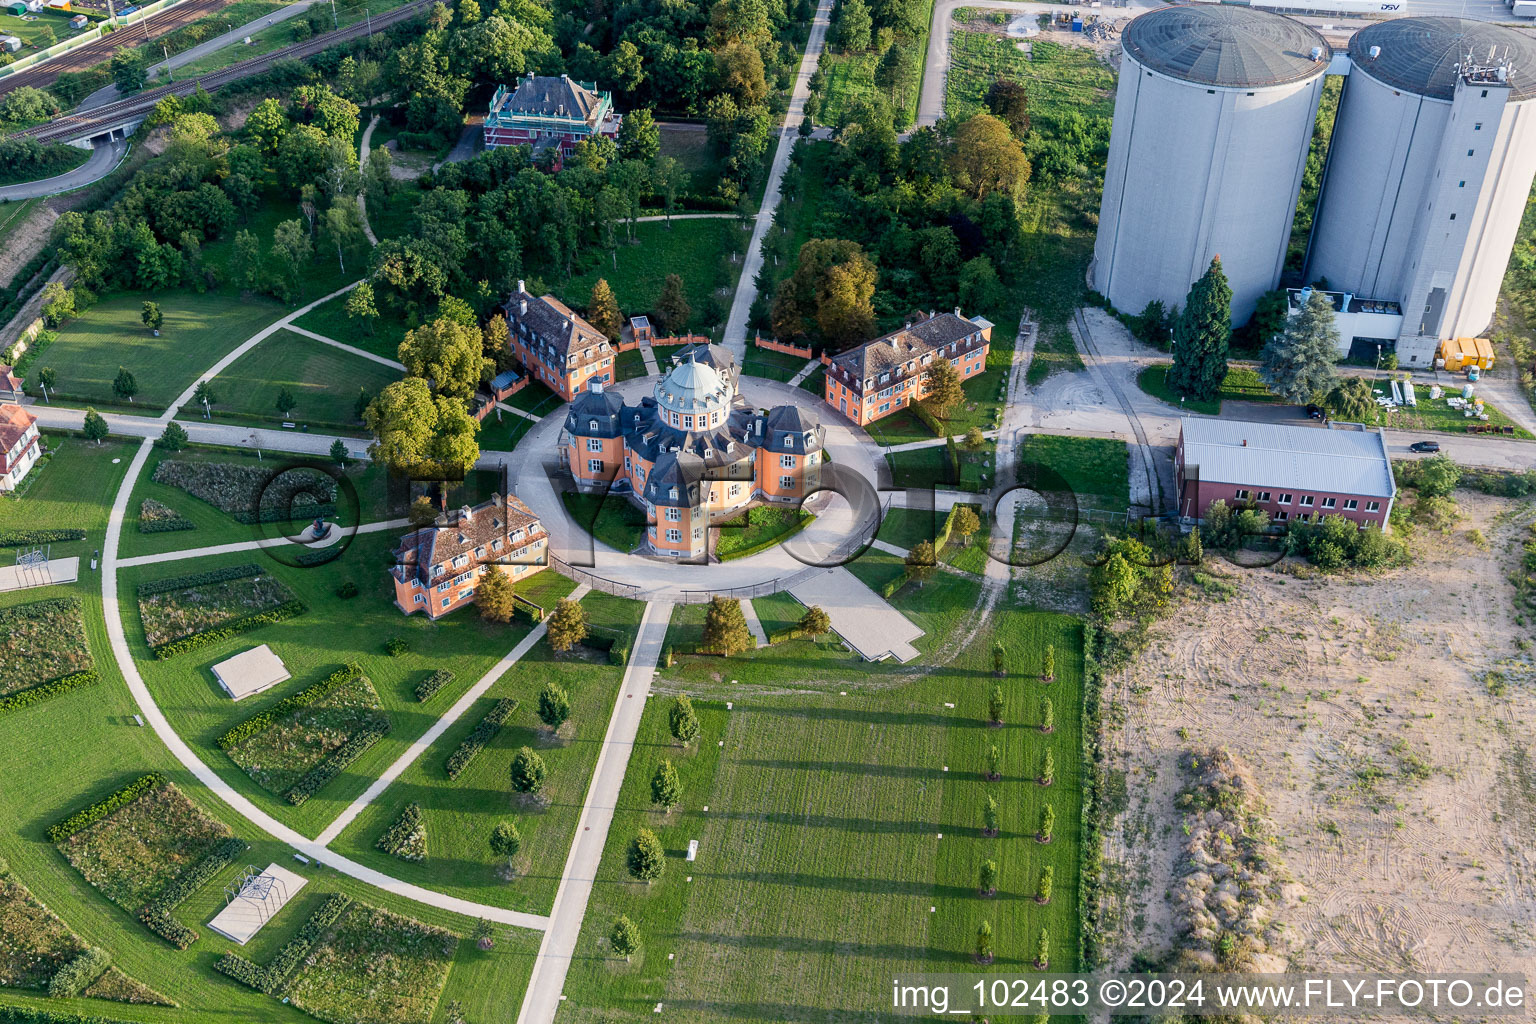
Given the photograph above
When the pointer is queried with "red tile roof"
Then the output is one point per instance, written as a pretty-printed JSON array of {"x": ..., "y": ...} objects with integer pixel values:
[{"x": 14, "y": 421}]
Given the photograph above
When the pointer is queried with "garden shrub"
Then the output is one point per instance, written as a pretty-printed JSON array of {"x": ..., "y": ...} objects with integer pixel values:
[
  {"x": 333, "y": 765},
  {"x": 479, "y": 736},
  {"x": 1337, "y": 542},
  {"x": 253, "y": 493},
  {"x": 305, "y": 697},
  {"x": 347, "y": 591},
  {"x": 21, "y": 538},
  {"x": 199, "y": 579},
  {"x": 298, "y": 947},
  {"x": 155, "y": 517},
  {"x": 244, "y": 624},
  {"x": 79, "y": 974},
  {"x": 244, "y": 971},
  {"x": 396, "y": 646},
  {"x": 428, "y": 687},
  {"x": 407, "y": 837},
  {"x": 168, "y": 928},
  {"x": 87, "y": 816},
  {"x": 156, "y": 914}
]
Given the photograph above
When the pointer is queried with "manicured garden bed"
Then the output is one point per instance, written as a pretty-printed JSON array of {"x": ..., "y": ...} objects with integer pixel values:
[
  {"x": 277, "y": 757},
  {"x": 41, "y": 641},
  {"x": 608, "y": 517},
  {"x": 252, "y": 492},
  {"x": 172, "y": 615},
  {"x": 375, "y": 967},
  {"x": 1097, "y": 469},
  {"x": 758, "y": 529}
]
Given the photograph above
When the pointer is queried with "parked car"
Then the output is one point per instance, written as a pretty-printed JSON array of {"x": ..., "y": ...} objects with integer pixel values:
[
  {"x": 1424, "y": 447},
  {"x": 1314, "y": 412}
]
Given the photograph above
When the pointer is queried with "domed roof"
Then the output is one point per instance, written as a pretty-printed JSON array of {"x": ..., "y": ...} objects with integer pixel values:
[
  {"x": 1225, "y": 45},
  {"x": 691, "y": 386},
  {"x": 1421, "y": 55}
]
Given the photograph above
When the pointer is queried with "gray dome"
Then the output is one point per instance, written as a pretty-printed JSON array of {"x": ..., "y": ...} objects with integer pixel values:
[
  {"x": 1232, "y": 47},
  {"x": 1420, "y": 55},
  {"x": 692, "y": 387}
]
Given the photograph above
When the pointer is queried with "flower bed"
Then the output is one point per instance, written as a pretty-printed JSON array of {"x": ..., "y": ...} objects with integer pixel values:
[
  {"x": 252, "y": 493},
  {"x": 34, "y": 943},
  {"x": 407, "y": 837},
  {"x": 136, "y": 853},
  {"x": 375, "y": 968},
  {"x": 277, "y": 757},
  {"x": 40, "y": 642},
  {"x": 484, "y": 731},
  {"x": 181, "y": 613},
  {"x": 157, "y": 518}
]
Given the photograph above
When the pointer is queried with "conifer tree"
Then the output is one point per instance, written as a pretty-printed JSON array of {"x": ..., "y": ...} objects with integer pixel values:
[{"x": 1200, "y": 337}]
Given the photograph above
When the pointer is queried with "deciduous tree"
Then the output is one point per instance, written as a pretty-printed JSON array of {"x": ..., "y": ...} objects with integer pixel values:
[
  {"x": 1047, "y": 715},
  {"x": 494, "y": 596},
  {"x": 725, "y": 627},
  {"x": 639, "y": 138},
  {"x": 995, "y": 705},
  {"x": 666, "y": 790},
  {"x": 625, "y": 937},
  {"x": 567, "y": 625},
  {"x": 986, "y": 878},
  {"x": 447, "y": 354},
  {"x": 1047, "y": 768},
  {"x": 420, "y": 436},
  {"x": 944, "y": 390},
  {"x": 1046, "y": 883},
  {"x": 987, "y": 158},
  {"x": 966, "y": 523},
  {"x": 285, "y": 401},
  {"x": 360, "y": 306},
  {"x": 1008, "y": 100},
  {"x": 815, "y": 622},
  {"x": 48, "y": 380},
  {"x": 921, "y": 562},
  {"x": 554, "y": 706},
  {"x": 682, "y": 721},
  {"x": 506, "y": 841},
  {"x": 1047, "y": 824},
  {"x": 984, "y": 943},
  {"x": 95, "y": 427},
  {"x": 989, "y": 816}
]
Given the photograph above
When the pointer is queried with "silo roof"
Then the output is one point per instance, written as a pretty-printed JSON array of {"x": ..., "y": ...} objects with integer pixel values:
[
  {"x": 1420, "y": 55},
  {"x": 1218, "y": 44}
]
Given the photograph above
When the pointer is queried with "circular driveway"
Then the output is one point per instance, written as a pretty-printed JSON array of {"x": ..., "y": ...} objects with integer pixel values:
[{"x": 536, "y": 475}]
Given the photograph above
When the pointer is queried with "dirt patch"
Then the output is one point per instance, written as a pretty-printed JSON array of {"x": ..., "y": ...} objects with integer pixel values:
[{"x": 1383, "y": 719}]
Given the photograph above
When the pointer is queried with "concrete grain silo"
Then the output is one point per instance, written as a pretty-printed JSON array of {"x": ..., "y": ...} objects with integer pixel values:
[
  {"x": 1432, "y": 158},
  {"x": 1213, "y": 119}
]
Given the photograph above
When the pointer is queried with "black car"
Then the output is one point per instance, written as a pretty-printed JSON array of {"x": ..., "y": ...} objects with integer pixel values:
[
  {"x": 1314, "y": 413},
  {"x": 1424, "y": 447}
]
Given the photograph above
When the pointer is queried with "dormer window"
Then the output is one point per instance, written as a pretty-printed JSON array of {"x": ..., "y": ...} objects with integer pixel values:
[
  {"x": 789, "y": 440},
  {"x": 591, "y": 424},
  {"x": 672, "y": 493},
  {"x": 437, "y": 570}
]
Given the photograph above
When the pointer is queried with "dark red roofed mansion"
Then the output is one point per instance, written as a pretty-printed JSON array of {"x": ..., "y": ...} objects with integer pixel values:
[
  {"x": 555, "y": 345},
  {"x": 694, "y": 453},
  {"x": 438, "y": 567},
  {"x": 888, "y": 374}
]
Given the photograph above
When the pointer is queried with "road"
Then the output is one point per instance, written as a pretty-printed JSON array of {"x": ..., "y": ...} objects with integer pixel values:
[
  {"x": 105, "y": 157},
  {"x": 735, "y": 336}
]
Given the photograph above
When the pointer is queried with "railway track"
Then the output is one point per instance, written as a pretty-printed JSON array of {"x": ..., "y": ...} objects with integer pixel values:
[
  {"x": 98, "y": 50},
  {"x": 111, "y": 115}
]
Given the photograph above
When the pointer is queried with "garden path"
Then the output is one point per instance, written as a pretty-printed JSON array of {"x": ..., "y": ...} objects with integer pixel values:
[
  {"x": 754, "y": 624},
  {"x": 444, "y": 722},
  {"x": 362, "y": 161},
  {"x": 244, "y": 545},
  {"x": 805, "y": 371},
  {"x": 735, "y": 335},
  {"x": 542, "y": 997}
]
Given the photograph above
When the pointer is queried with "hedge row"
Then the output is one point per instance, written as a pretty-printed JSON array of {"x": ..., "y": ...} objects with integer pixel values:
[
  {"x": 770, "y": 542},
  {"x": 396, "y": 838},
  {"x": 611, "y": 642},
  {"x": 190, "y": 881},
  {"x": 285, "y": 515},
  {"x": 79, "y": 974},
  {"x": 896, "y": 584},
  {"x": 233, "y": 628},
  {"x": 20, "y": 538},
  {"x": 792, "y": 633},
  {"x": 88, "y": 816},
  {"x": 1090, "y": 845},
  {"x": 317, "y": 557},
  {"x": 482, "y": 734},
  {"x": 47, "y": 691},
  {"x": 260, "y": 722},
  {"x": 332, "y": 766},
  {"x": 270, "y": 978},
  {"x": 165, "y": 525},
  {"x": 33, "y": 1015},
  {"x": 168, "y": 928},
  {"x": 428, "y": 687},
  {"x": 200, "y": 579}
]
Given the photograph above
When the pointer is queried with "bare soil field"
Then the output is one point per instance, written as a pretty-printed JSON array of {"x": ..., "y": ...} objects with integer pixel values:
[{"x": 1387, "y": 721}]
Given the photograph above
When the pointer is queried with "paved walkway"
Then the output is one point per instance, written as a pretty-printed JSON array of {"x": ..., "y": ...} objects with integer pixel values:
[
  {"x": 542, "y": 997},
  {"x": 246, "y": 545},
  {"x": 103, "y": 161},
  {"x": 648, "y": 356},
  {"x": 864, "y": 619},
  {"x": 805, "y": 371},
  {"x": 363, "y": 149},
  {"x": 754, "y": 624},
  {"x": 735, "y": 335},
  {"x": 353, "y": 349},
  {"x": 932, "y": 442},
  {"x": 155, "y": 718},
  {"x": 424, "y": 742}
]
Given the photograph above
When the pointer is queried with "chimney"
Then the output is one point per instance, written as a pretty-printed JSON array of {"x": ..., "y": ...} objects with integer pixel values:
[
  {"x": 520, "y": 285},
  {"x": 595, "y": 386},
  {"x": 1245, "y": 442},
  {"x": 522, "y": 307}
]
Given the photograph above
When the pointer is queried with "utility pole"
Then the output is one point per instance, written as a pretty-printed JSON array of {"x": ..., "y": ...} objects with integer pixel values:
[
  {"x": 335, "y": 22},
  {"x": 166, "y": 53},
  {"x": 369, "y": 16}
]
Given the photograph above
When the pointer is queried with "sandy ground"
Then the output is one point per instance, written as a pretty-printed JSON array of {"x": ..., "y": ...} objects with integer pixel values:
[
  {"x": 1403, "y": 791},
  {"x": 26, "y": 240}
]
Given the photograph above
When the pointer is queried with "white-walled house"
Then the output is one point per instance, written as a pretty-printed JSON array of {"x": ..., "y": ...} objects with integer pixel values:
[{"x": 19, "y": 445}]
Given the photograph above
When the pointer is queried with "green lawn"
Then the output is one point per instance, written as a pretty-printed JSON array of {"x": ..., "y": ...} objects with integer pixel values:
[
  {"x": 1096, "y": 469},
  {"x": 780, "y": 366},
  {"x": 820, "y": 853},
  {"x": 1435, "y": 414},
  {"x": 104, "y": 751},
  {"x": 985, "y": 395},
  {"x": 333, "y": 632},
  {"x": 928, "y": 467},
  {"x": 382, "y": 337},
  {"x": 460, "y": 814},
  {"x": 277, "y": 36},
  {"x": 33, "y": 29},
  {"x": 325, "y": 381},
  {"x": 904, "y": 527},
  {"x": 851, "y": 77},
  {"x": 698, "y": 251},
  {"x": 198, "y": 331},
  {"x": 1058, "y": 77},
  {"x": 629, "y": 365},
  {"x": 608, "y": 517},
  {"x": 688, "y": 144},
  {"x": 1242, "y": 384},
  {"x": 757, "y": 529},
  {"x": 799, "y": 218},
  {"x": 73, "y": 488}
]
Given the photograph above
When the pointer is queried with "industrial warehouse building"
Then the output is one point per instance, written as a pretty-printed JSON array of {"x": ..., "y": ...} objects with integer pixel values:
[
  {"x": 1289, "y": 472},
  {"x": 1431, "y": 160},
  {"x": 1213, "y": 116}
]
